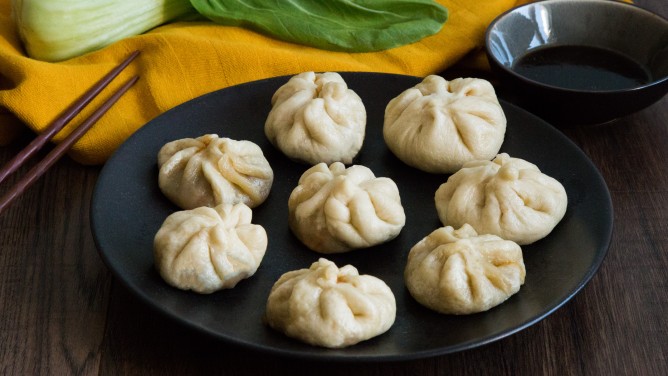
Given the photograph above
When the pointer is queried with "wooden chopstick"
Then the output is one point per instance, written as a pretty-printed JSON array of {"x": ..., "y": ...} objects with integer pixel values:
[
  {"x": 67, "y": 115},
  {"x": 61, "y": 148}
]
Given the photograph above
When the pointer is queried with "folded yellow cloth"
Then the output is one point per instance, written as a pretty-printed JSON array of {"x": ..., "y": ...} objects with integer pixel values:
[{"x": 183, "y": 60}]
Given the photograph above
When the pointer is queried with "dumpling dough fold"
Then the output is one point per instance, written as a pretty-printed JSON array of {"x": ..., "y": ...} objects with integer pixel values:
[
  {"x": 210, "y": 170},
  {"x": 460, "y": 272},
  {"x": 337, "y": 209},
  {"x": 330, "y": 306},
  {"x": 438, "y": 125},
  {"x": 508, "y": 197},
  {"x": 209, "y": 249},
  {"x": 316, "y": 118}
]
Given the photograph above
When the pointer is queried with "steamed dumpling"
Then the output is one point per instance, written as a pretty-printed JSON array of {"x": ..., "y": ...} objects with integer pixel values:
[
  {"x": 337, "y": 209},
  {"x": 209, "y": 170},
  {"x": 508, "y": 197},
  {"x": 330, "y": 307},
  {"x": 316, "y": 118},
  {"x": 460, "y": 272},
  {"x": 439, "y": 125},
  {"x": 209, "y": 249}
]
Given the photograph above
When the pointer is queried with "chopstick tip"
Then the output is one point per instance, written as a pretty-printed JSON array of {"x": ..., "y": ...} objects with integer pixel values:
[{"x": 133, "y": 55}]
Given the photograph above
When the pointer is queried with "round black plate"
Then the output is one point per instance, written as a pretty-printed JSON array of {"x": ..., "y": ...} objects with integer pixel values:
[{"x": 128, "y": 208}]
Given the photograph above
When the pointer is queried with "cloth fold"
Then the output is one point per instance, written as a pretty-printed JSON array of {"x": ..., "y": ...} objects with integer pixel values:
[{"x": 183, "y": 60}]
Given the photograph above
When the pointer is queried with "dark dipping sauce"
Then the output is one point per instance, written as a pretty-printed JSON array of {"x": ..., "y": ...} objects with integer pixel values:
[{"x": 581, "y": 68}]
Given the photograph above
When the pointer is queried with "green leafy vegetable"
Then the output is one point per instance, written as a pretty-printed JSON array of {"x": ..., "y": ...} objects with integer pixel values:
[
  {"x": 54, "y": 30},
  {"x": 339, "y": 25}
]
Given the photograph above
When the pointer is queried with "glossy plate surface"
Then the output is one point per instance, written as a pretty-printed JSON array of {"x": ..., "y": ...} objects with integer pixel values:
[{"x": 128, "y": 208}]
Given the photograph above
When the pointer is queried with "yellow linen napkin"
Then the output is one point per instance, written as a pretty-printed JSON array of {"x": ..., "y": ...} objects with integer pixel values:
[{"x": 181, "y": 61}]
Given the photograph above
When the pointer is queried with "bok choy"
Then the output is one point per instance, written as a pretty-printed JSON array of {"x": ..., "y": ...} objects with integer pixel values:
[
  {"x": 54, "y": 30},
  {"x": 340, "y": 25}
]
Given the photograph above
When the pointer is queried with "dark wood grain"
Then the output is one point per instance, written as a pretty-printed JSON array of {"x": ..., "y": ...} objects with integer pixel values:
[
  {"x": 61, "y": 311},
  {"x": 53, "y": 287}
]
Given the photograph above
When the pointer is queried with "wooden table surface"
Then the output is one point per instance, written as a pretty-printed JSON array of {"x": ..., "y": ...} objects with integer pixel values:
[{"x": 62, "y": 312}]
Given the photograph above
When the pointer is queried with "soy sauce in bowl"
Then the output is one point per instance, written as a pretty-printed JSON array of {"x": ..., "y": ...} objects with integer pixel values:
[
  {"x": 581, "y": 68},
  {"x": 579, "y": 62}
]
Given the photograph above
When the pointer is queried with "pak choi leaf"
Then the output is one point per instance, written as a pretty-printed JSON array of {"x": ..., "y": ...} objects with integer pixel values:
[{"x": 338, "y": 25}]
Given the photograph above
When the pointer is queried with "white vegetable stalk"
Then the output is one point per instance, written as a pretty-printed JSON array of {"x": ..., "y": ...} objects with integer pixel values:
[{"x": 54, "y": 30}]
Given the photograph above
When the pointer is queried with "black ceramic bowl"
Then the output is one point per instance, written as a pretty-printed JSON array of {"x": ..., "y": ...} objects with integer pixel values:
[{"x": 580, "y": 61}]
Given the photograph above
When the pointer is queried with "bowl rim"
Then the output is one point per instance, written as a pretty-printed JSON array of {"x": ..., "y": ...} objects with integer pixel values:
[{"x": 614, "y": 3}]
